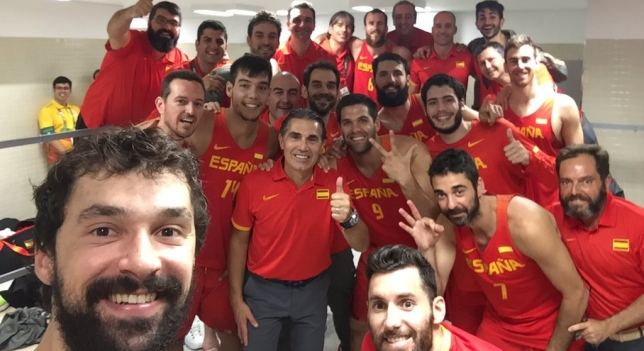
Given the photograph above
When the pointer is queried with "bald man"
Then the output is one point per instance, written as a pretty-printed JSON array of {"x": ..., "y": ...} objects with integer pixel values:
[{"x": 284, "y": 96}]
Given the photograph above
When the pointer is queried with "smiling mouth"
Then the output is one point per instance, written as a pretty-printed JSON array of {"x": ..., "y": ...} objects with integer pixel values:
[{"x": 132, "y": 299}]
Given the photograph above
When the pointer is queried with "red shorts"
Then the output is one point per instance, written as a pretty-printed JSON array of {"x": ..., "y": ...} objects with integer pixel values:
[
  {"x": 464, "y": 299},
  {"x": 211, "y": 303},
  {"x": 486, "y": 333},
  {"x": 359, "y": 301}
]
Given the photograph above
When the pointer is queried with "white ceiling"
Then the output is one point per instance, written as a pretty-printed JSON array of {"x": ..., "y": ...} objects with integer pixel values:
[{"x": 331, "y": 6}]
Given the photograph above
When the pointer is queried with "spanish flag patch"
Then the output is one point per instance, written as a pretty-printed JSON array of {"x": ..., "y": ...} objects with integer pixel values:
[
  {"x": 541, "y": 121},
  {"x": 387, "y": 180},
  {"x": 322, "y": 194},
  {"x": 417, "y": 122},
  {"x": 505, "y": 249},
  {"x": 460, "y": 64},
  {"x": 621, "y": 245},
  {"x": 259, "y": 156}
]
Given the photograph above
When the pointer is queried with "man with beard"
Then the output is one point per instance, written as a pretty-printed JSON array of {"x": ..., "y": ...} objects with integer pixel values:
[
  {"x": 534, "y": 293},
  {"x": 341, "y": 27},
  {"x": 279, "y": 287},
  {"x": 230, "y": 144},
  {"x": 404, "y": 15},
  {"x": 134, "y": 66},
  {"x": 300, "y": 51},
  {"x": 382, "y": 173},
  {"x": 405, "y": 308},
  {"x": 364, "y": 52},
  {"x": 284, "y": 97},
  {"x": 264, "y": 31},
  {"x": 605, "y": 237},
  {"x": 119, "y": 221},
  {"x": 445, "y": 56}
]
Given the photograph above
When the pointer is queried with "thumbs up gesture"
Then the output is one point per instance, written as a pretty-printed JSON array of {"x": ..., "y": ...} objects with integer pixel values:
[
  {"x": 515, "y": 151},
  {"x": 340, "y": 203}
]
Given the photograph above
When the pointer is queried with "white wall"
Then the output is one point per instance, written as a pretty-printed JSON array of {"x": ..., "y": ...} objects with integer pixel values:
[{"x": 615, "y": 19}]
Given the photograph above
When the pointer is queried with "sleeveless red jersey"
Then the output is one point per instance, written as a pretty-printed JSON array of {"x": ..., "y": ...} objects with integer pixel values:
[
  {"x": 222, "y": 168},
  {"x": 538, "y": 127},
  {"x": 363, "y": 76},
  {"x": 377, "y": 200},
  {"x": 522, "y": 304},
  {"x": 416, "y": 124}
]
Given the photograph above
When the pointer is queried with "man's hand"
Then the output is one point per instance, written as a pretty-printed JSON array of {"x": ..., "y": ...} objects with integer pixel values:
[
  {"x": 515, "y": 151},
  {"x": 212, "y": 106},
  {"x": 338, "y": 148},
  {"x": 214, "y": 83},
  {"x": 243, "y": 316},
  {"x": 323, "y": 162},
  {"x": 266, "y": 166},
  {"x": 142, "y": 8},
  {"x": 592, "y": 330},
  {"x": 340, "y": 203},
  {"x": 425, "y": 231},
  {"x": 223, "y": 275},
  {"x": 461, "y": 47},
  {"x": 490, "y": 112},
  {"x": 396, "y": 165},
  {"x": 503, "y": 97},
  {"x": 423, "y": 52}
]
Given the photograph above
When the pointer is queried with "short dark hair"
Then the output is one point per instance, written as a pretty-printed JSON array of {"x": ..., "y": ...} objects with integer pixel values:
[
  {"x": 455, "y": 161},
  {"x": 182, "y": 74},
  {"x": 321, "y": 64},
  {"x": 491, "y": 5},
  {"x": 303, "y": 113},
  {"x": 441, "y": 80},
  {"x": 373, "y": 12},
  {"x": 168, "y": 6},
  {"x": 357, "y": 99},
  {"x": 343, "y": 15},
  {"x": 389, "y": 56},
  {"x": 597, "y": 152},
  {"x": 404, "y": 2},
  {"x": 252, "y": 66},
  {"x": 392, "y": 258},
  {"x": 114, "y": 152},
  {"x": 304, "y": 5},
  {"x": 62, "y": 80},
  {"x": 517, "y": 41},
  {"x": 494, "y": 45},
  {"x": 212, "y": 24},
  {"x": 264, "y": 16}
]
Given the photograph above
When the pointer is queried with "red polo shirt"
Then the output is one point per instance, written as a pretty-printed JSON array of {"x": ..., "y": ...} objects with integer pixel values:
[
  {"x": 288, "y": 242},
  {"x": 292, "y": 62},
  {"x": 344, "y": 62},
  {"x": 130, "y": 80},
  {"x": 458, "y": 64},
  {"x": 610, "y": 257},
  {"x": 419, "y": 38}
]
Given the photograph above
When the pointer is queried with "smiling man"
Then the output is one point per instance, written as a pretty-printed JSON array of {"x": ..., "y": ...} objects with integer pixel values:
[
  {"x": 58, "y": 116},
  {"x": 119, "y": 221}
]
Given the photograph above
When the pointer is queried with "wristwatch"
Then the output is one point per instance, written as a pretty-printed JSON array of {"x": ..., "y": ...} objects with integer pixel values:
[{"x": 353, "y": 220}]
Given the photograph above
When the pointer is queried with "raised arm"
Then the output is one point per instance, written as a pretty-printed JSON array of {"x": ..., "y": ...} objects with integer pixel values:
[{"x": 118, "y": 28}]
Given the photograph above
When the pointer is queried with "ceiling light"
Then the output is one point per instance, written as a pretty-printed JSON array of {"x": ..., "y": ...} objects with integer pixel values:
[
  {"x": 213, "y": 13},
  {"x": 240, "y": 12},
  {"x": 282, "y": 12},
  {"x": 362, "y": 8}
]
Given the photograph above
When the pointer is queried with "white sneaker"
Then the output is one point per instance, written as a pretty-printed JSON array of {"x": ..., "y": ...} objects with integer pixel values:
[{"x": 194, "y": 339}]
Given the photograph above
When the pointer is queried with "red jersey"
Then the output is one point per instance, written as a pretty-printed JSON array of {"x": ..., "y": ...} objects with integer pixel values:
[
  {"x": 458, "y": 64},
  {"x": 344, "y": 62},
  {"x": 284, "y": 236},
  {"x": 416, "y": 124},
  {"x": 130, "y": 80},
  {"x": 493, "y": 90},
  {"x": 265, "y": 116},
  {"x": 222, "y": 167},
  {"x": 538, "y": 127},
  {"x": 485, "y": 144},
  {"x": 454, "y": 339},
  {"x": 609, "y": 257},
  {"x": 522, "y": 304},
  {"x": 363, "y": 76},
  {"x": 289, "y": 61},
  {"x": 419, "y": 38}
]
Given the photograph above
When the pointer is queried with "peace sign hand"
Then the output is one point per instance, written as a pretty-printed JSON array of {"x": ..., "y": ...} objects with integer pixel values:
[
  {"x": 396, "y": 165},
  {"x": 425, "y": 231}
]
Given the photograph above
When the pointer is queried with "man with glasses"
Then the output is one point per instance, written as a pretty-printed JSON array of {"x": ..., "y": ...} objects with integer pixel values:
[
  {"x": 134, "y": 66},
  {"x": 58, "y": 117}
]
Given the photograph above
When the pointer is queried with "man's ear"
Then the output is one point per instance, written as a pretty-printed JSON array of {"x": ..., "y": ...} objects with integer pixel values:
[
  {"x": 438, "y": 310},
  {"x": 43, "y": 267}
]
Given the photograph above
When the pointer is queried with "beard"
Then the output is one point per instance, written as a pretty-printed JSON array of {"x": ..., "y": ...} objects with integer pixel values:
[
  {"x": 318, "y": 108},
  {"x": 422, "y": 338},
  {"x": 399, "y": 98},
  {"x": 362, "y": 148},
  {"x": 375, "y": 42},
  {"x": 83, "y": 328},
  {"x": 472, "y": 213},
  {"x": 160, "y": 43},
  {"x": 495, "y": 31},
  {"x": 593, "y": 206},
  {"x": 458, "y": 119}
]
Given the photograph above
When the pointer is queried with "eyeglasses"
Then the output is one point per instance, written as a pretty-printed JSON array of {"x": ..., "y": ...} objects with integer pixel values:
[{"x": 162, "y": 21}]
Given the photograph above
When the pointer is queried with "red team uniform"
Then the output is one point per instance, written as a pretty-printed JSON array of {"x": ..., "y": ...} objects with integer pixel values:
[
  {"x": 419, "y": 38},
  {"x": 363, "y": 77},
  {"x": 523, "y": 305},
  {"x": 458, "y": 64},
  {"x": 222, "y": 169},
  {"x": 377, "y": 200},
  {"x": 289, "y": 61},
  {"x": 416, "y": 124},
  {"x": 459, "y": 340}
]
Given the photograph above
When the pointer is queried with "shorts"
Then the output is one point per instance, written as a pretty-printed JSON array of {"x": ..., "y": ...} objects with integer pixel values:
[
  {"x": 464, "y": 299},
  {"x": 211, "y": 303},
  {"x": 359, "y": 302}
]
